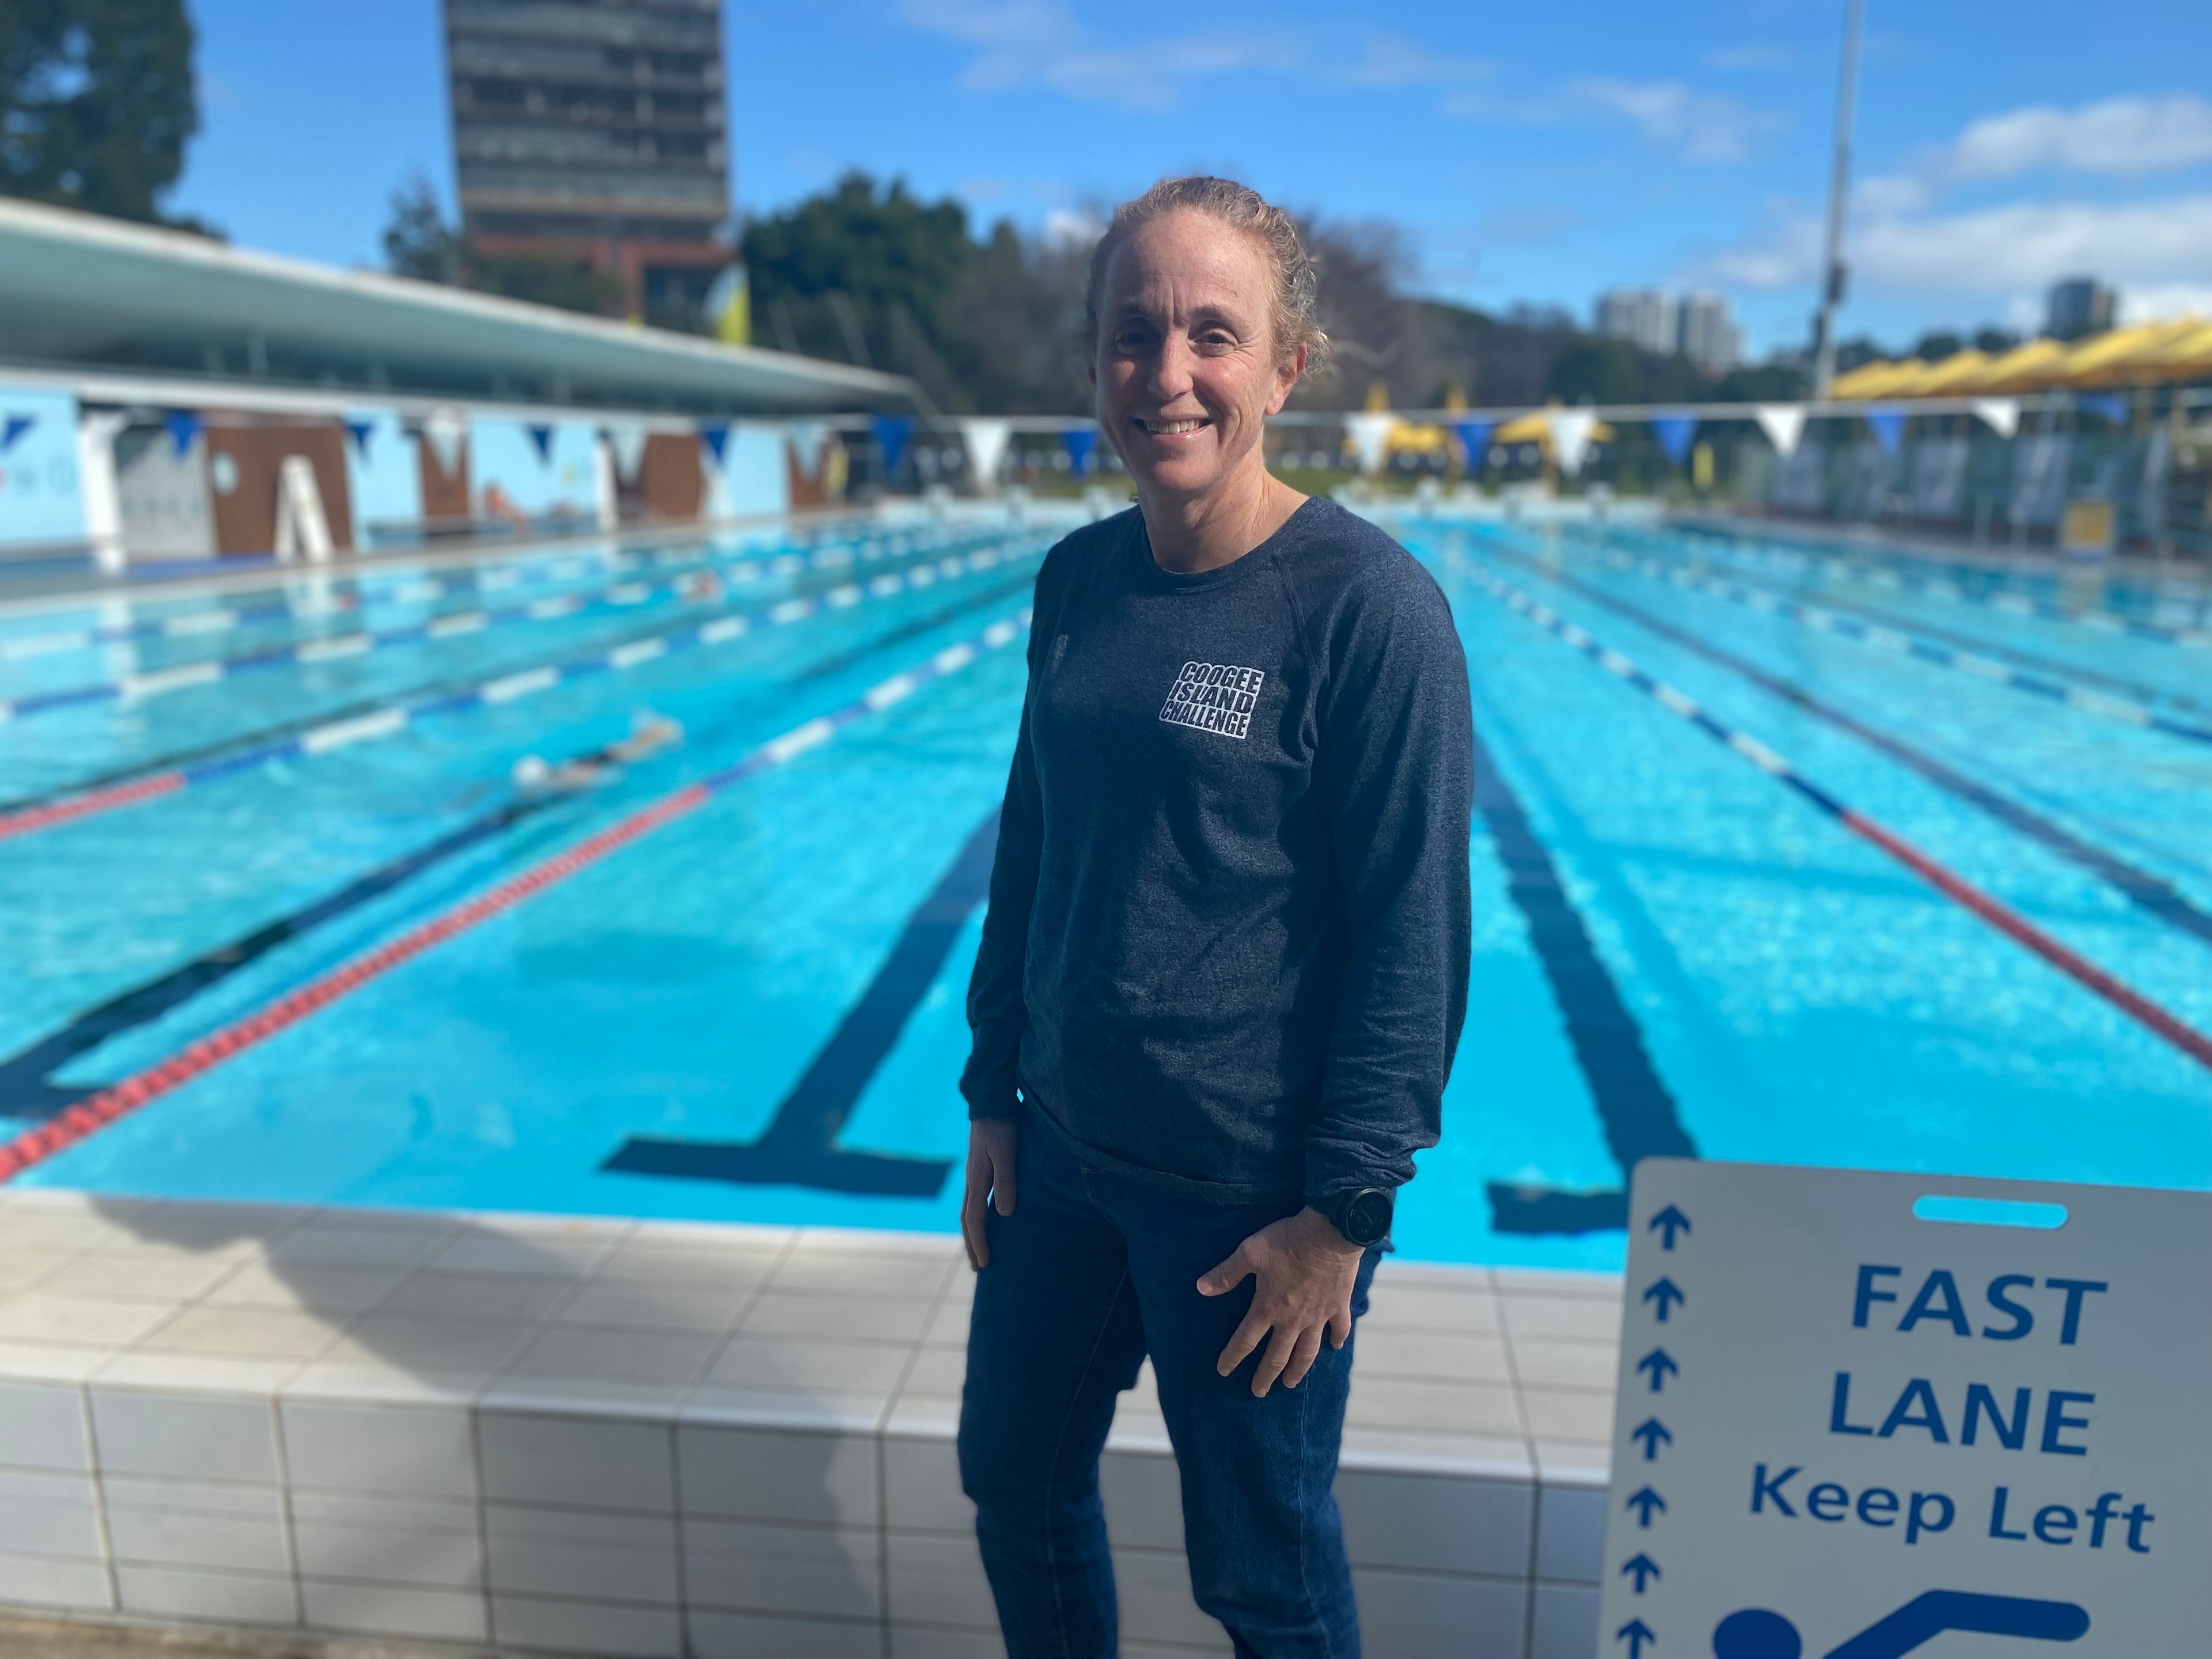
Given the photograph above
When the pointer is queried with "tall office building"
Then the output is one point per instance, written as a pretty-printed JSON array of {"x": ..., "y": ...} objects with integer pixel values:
[
  {"x": 1709, "y": 337},
  {"x": 1642, "y": 316},
  {"x": 596, "y": 127},
  {"x": 2079, "y": 305}
]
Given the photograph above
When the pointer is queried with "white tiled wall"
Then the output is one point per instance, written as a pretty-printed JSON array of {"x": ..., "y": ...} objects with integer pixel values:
[{"x": 598, "y": 1437}]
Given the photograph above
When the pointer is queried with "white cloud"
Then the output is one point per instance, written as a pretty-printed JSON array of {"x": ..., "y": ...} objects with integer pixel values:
[
  {"x": 1072, "y": 230},
  {"x": 2157, "y": 302},
  {"x": 2140, "y": 247},
  {"x": 1705, "y": 126},
  {"x": 1022, "y": 42},
  {"x": 2118, "y": 138},
  {"x": 1389, "y": 60}
]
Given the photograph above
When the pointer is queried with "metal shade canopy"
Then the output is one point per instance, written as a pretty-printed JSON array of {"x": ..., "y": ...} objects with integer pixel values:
[{"x": 80, "y": 291}]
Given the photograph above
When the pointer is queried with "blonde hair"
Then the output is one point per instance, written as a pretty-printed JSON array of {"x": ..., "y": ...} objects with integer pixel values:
[{"x": 1296, "y": 282}]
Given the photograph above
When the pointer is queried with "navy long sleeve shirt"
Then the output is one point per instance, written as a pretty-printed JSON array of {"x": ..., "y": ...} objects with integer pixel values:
[{"x": 1226, "y": 949}]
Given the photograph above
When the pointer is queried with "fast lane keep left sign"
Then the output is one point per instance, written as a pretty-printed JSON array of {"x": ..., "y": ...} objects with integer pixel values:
[{"x": 1865, "y": 1415}]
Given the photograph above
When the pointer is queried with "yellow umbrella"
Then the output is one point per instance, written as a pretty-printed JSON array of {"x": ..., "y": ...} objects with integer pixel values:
[
  {"x": 2024, "y": 368},
  {"x": 1537, "y": 429},
  {"x": 2185, "y": 356},
  {"x": 1949, "y": 374},
  {"x": 2108, "y": 359},
  {"x": 1874, "y": 380}
]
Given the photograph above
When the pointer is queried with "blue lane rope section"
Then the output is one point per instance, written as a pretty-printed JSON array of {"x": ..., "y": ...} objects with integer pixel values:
[
  {"x": 386, "y": 719},
  {"x": 2151, "y": 892},
  {"x": 616, "y": 597},
  {"x": 2125, "y": 701},
  {"x": 800, "y": 1147},
  {"x": 1634, "y": 1107}
]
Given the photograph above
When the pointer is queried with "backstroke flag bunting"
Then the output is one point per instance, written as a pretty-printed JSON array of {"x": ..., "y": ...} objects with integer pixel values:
[
  {"x": 1082, "y": 443},
  {"x": 1571, "y": 431},
  {"x": 808, "y": 439},
  {"x": 1473, "y": 439},
  {"x": 1674, "y": 434},
  {"x": 1370, "y": 437},
  {"x": 2000, "y": 415},
  {"x": 1783, "y": 424},
  {"x": 986, "y": 441}
]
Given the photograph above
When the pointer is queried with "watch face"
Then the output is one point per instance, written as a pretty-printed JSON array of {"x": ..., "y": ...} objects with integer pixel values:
[{"x": 1367, "y": 1217}]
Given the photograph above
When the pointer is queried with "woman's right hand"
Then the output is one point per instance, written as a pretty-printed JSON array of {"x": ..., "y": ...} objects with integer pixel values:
[{"x": 991, "y": 1144}]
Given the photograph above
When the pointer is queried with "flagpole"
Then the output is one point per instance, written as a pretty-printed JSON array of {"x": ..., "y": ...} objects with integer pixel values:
[{"x": 1832, "y": 267}]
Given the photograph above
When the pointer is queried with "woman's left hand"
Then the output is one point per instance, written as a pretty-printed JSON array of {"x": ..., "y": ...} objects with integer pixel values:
[{"x": 1306, "y": 1268}]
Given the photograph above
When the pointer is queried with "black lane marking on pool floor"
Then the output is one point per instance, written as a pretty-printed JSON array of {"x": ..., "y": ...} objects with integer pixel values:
[
  {"x": 25, "y": 1091},
  {"x": 799, "y": 1146},
  {"x": 1634, "y": 1107},
  {"x": 2150, "y": 892}
]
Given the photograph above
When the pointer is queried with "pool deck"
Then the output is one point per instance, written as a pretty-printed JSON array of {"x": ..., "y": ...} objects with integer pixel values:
[{"x": 542, "y": 1434}]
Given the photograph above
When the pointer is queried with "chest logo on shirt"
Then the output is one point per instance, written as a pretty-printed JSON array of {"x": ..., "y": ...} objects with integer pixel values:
[{"x": 1214, "y": 697}]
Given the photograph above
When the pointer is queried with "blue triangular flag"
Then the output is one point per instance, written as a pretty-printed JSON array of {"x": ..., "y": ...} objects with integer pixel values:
[
  {"x": 1888, "y": 426},
  {"x": 1473, "y": 437},
  {"x": 361, "y": 432},
  {"x": 184, "y": 426},
  {"x": 892, "y": 431},
  {"x": 542, "y": 438},
  {"x": 2110, "y": 404},
  {"x": 716, "y": 437},
  {"x": 1082, "y": 443},
  {"x": 16, "y": 426},
  {"x": 1674, "y": 434}
]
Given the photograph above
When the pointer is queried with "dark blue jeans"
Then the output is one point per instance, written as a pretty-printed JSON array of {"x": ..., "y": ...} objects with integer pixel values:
[{"x": 1092, "y": 1271}]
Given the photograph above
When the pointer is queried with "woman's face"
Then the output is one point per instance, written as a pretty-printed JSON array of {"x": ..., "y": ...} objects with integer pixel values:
[{"x": 1185, "y": 361}]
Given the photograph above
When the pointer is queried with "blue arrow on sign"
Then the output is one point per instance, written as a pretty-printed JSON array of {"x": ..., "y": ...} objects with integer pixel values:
[
  {"x": 1661, "y": 1364},
  {"x": 1644, "y": 1569},
  {"x": 1643, "y": 1503},
  {"x": 1665, "y": 1296},
  {"x": 1636, "y": 1633},
  {"x": 1653, "y": 1433},
  {"x": 1669, "y": 1221}
]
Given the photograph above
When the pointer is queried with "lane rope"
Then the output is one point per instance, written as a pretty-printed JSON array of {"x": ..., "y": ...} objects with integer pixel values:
[
  {"x": 2142, "y": 887},
  {"x": 1874, "y": 573},
  {"x": 2185, "y": 1037},
  {"x": 507, "y": 686},
  {"x": 615, "y": 597},
  {"x": 2133, "y": 705},
  {"x": 88, "y": 1117}
]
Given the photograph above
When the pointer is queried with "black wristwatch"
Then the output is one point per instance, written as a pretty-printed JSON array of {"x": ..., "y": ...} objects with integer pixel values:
[{"x": 1363, "y": 1215}]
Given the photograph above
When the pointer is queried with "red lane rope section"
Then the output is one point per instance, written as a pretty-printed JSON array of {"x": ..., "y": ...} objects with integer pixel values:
[
  {"x": 96, "y": 1112},
  {"x": 98, "y": 800},
  {"x": 2190, "y": 1040}
]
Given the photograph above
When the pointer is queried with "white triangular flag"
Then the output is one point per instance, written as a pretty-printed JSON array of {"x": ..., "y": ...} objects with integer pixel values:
[
  {"x": 2000, "y": 415},
  {"x": 1370, "y": 438},
  {"x": 807, "y": 439},
  {"x": 986, "y": 447},
  {"x": 1783, "y": 424},
  {"x": 444, "y": 429},
  {"x": 628, "y": 441},
  {"x": 1571, "y": 436}
]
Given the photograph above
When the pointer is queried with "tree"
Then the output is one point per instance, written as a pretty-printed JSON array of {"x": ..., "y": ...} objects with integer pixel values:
[
  {"x": 856, "y": 271},
  {"x": 419, "y": 242},
  {"x": 96, "y": 103}
]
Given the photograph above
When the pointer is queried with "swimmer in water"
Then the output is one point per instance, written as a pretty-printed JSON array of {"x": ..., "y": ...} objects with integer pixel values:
[{"x": 648, "y": 734}]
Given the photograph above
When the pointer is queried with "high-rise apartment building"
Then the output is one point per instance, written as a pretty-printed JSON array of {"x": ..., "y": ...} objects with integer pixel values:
[
  {"x": 1697, "y": 325},
  {"x": 1642, "y": 316},
  {"x": 2079, "y": 305},
  {"x": 596, "y": 127},
  {"x": 1708, "y": 335}
]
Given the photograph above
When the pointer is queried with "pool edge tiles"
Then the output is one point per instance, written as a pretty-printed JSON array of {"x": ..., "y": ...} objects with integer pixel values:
[{"x": 536, "y": 1432}]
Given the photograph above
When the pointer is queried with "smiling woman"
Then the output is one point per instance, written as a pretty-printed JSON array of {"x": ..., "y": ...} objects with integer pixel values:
[{"x": 1224, "y": 968}]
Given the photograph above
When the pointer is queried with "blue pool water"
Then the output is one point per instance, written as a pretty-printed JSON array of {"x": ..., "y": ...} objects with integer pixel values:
[{"x": 1671, "y": 949}]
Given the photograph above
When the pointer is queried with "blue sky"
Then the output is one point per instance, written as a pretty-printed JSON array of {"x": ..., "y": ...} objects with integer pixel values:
[{"x": 1538, "y": 153}]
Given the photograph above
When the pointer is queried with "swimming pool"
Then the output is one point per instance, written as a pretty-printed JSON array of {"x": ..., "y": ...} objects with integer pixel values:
[{"x": 1711, "y": 764}]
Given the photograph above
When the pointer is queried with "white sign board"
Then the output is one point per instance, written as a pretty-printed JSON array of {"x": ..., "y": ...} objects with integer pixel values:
[{"x": 1858, "y": 1420}]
